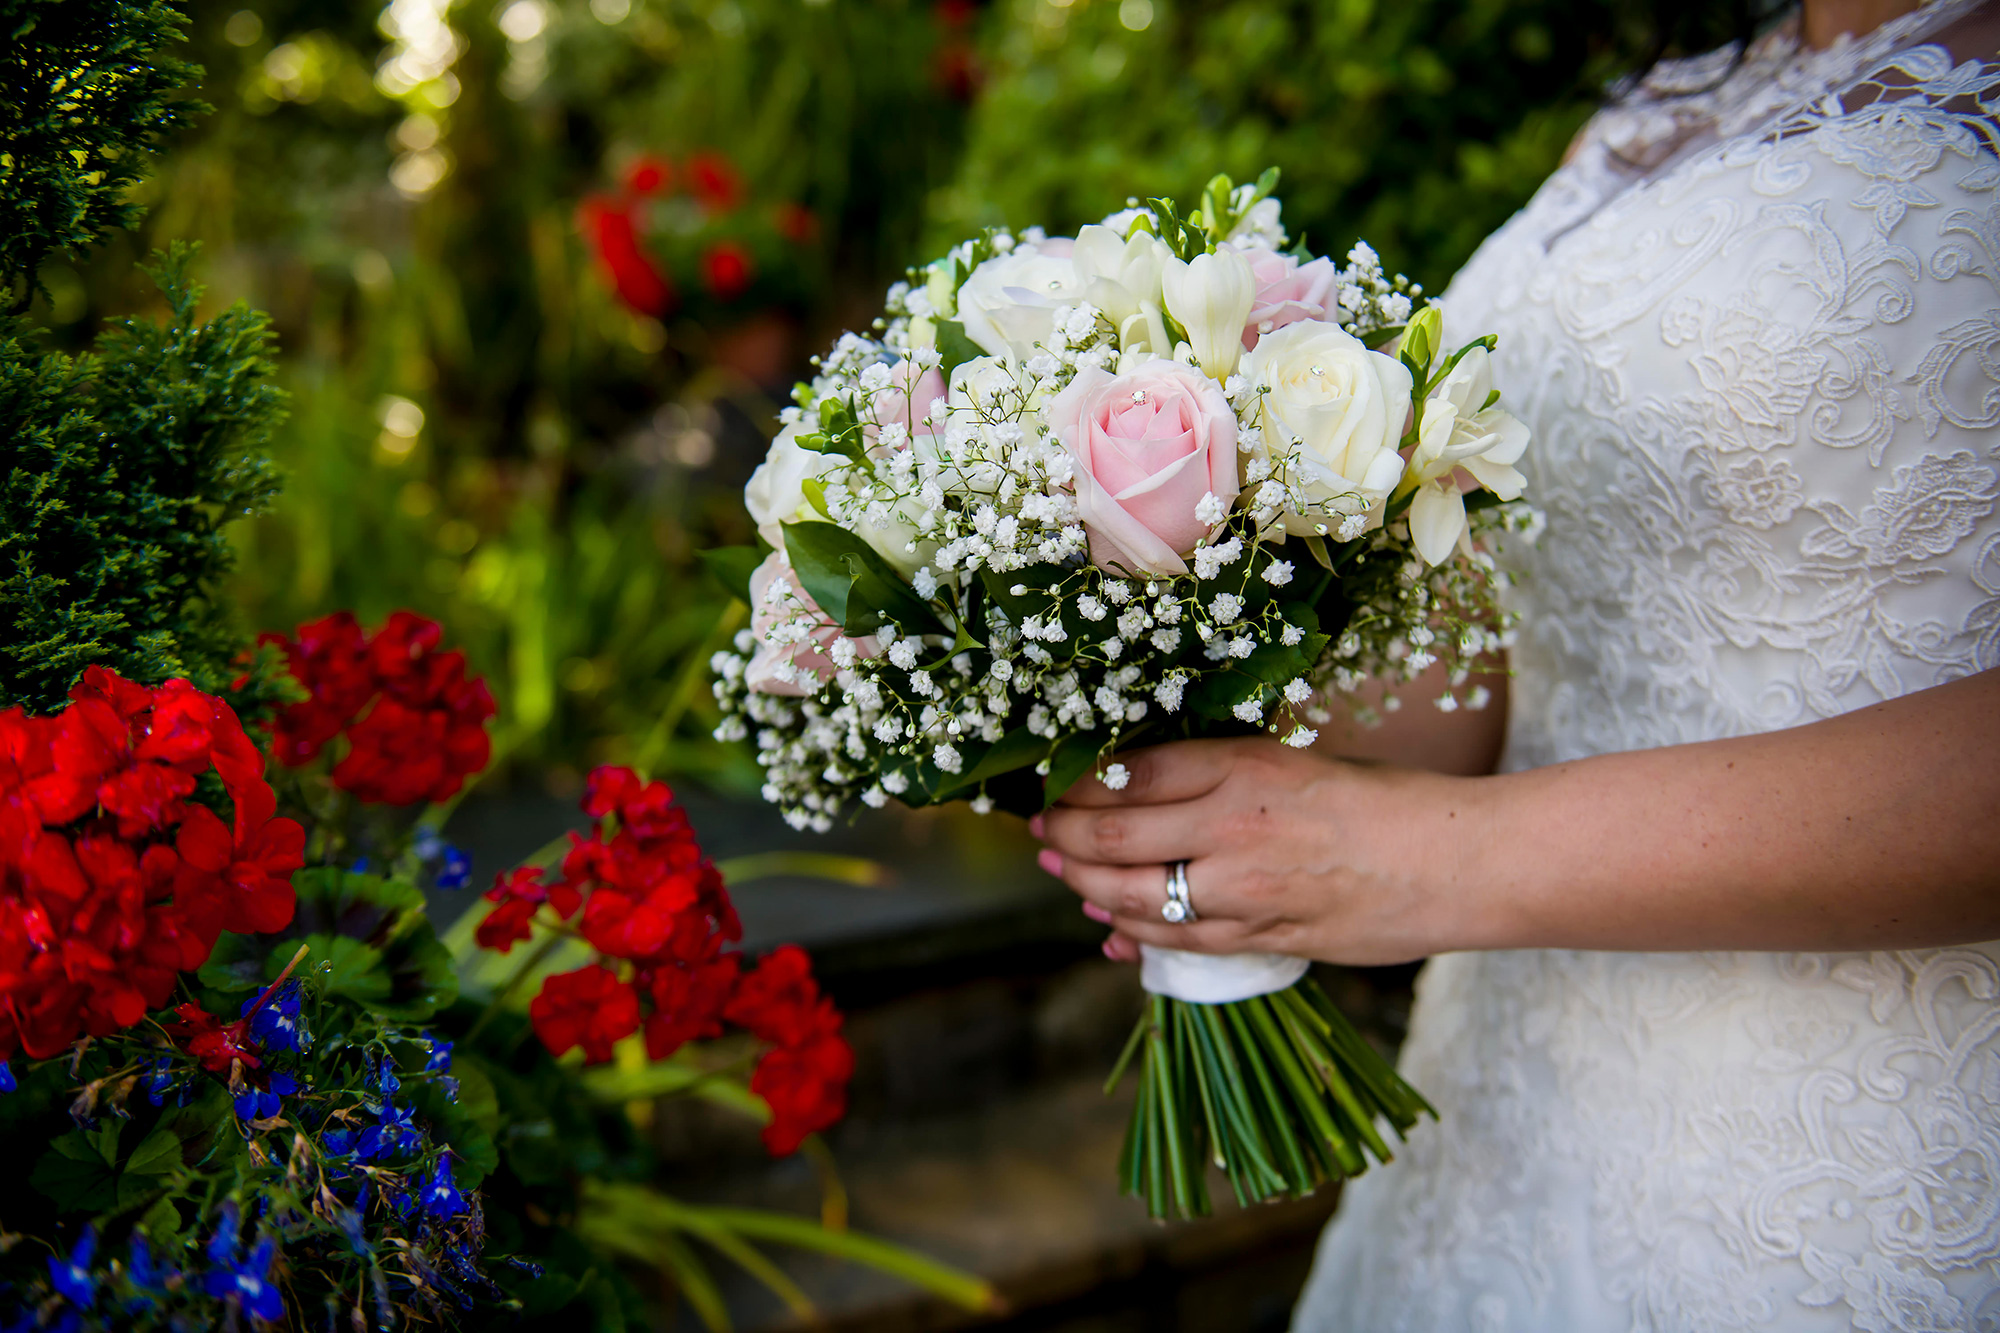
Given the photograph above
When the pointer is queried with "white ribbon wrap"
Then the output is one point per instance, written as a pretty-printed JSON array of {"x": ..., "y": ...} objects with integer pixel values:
[{"x": 1216, "y": 978}]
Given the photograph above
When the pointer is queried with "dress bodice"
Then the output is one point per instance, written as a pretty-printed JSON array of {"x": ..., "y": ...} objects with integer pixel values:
[{"x": 1754, "y": 324}]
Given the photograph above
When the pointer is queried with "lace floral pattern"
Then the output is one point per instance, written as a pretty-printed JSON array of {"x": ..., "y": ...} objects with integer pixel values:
[{"x": 1760, "y": 319}]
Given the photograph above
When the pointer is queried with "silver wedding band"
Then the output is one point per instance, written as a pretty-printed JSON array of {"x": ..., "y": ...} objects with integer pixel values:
[{"x": 1178, "y": 908}]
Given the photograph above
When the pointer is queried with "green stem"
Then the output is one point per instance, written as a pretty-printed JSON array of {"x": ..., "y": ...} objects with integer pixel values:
[{"x": 528, "y": 964}]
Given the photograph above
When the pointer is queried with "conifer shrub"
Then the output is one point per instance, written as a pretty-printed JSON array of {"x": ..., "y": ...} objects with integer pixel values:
[{"x": 120, "y": 469}]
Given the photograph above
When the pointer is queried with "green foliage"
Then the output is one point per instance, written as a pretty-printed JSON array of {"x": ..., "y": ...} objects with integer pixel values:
[
  {"x": 122, "y": 468},
  {"x": 86, "y": 94},
  {"x": 1419, "y": 126}
]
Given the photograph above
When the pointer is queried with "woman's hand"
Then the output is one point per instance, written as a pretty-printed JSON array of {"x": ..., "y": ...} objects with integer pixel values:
[
  {"x": 1288, "y": 852},
  {"x": 1871, "y": 830}
]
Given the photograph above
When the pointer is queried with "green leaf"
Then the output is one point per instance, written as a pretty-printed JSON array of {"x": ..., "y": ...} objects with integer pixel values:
[
  {"x": 857, "y": 588},
  {"x": 1074, "y": 756},
  {"x": 157, "y": 1154},
  {"x": 1017, "y": 749},
  {"x": 77, "y": 1185},
  {"x": 1035, "y": 582},
  {"x": 954, "y": 346},
  {"x": 617, "y": 1209},
  {"x": 344, "y": 968},
  {"x": 731, "y": 566},
  {"x": 83, "y": 1172},
  {"x": 161, "y": 1222}
]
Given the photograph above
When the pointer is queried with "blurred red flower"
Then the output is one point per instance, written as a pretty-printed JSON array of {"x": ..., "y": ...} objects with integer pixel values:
[
  {"x": 715, "y": 182},
  {"x": 589, "y": 1007},
  {"x": 608, "y": 226},
  {"x": 727, "y": 270},
  {"x": 649, "y": 175}
]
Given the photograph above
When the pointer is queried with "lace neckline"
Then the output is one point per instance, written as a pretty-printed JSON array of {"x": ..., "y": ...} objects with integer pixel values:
[{"x": 1685, "y": 105}]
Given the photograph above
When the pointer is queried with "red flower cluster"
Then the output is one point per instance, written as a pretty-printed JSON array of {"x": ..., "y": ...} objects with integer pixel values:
[
  {"x": 656, "y": 911},
  {"x": 614, "y": 223},
  {"x": 111, "y": 879},
  {"x": 426, "y": 731}
]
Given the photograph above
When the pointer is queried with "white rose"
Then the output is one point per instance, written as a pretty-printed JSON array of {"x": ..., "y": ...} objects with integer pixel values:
[
  {"x": 1460, "y": 431},
  {"x": 1008, "y": 303},
  {"x": 776, "y": 493},
  {"x": 1343, "y": 404}
]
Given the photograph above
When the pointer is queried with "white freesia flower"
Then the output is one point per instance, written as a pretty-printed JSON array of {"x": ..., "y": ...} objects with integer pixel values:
[
  {"x": 1211, "y": 296},
  {"x": 1122, "y": 278},
  {"x": 1343, "y": 404},
  {"x": 1008, "y": 303},
  {"x": 1460, "y": 431}
]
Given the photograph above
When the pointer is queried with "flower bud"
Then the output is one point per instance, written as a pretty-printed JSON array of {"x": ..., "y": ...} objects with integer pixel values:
[
  {"x": 1420, "y": 340},
  {"x": 1211, "y": 297}
]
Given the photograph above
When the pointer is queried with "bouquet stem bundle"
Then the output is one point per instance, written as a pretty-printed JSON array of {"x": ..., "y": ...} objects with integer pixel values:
[{"x": 1278, "y": 1090}]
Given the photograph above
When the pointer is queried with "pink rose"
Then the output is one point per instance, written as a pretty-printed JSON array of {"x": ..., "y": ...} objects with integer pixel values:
[
  {"x": 765, "y": 672},
  {"x": 1148, "y": 445},
  {"x": 907, "y": 400},
  {"x": 1287, "y": 291}
]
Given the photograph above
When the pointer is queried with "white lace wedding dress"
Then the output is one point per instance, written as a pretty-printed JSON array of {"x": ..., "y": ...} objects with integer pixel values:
[{"x": 1756, "y": 331}]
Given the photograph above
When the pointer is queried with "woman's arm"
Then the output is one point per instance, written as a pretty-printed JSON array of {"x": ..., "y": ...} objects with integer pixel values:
[
  {"x": 1415, "y": 733},
  {"x": 1879, "y": 829}
]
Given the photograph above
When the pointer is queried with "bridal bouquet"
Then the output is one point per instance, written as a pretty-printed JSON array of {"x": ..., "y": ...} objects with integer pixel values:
[{"x": 1167, "y": 479}]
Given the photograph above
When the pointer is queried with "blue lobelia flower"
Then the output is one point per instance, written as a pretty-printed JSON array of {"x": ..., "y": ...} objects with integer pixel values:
[
  {"x": 395, "y": 1134},
  {"x": 338, "y": 1142},
  {"x": 253, "y": 1104},
  {"x": 279, "y": 1025},
  {"x": 249, "y": 1282},
  {"x": 222, "y": 1245},
  {"x": 360, "y": 866},
  {"x": 439, "y": 1192},
  {"x": 7, "y": 1083},
  {"x": 440, "y": 1061},
  {"x": 148, "y": 1274},
  {"x": 385, "y": 1078},
  {"x": 72, "y": 1276},
  {"x": 455, "y": 869}
]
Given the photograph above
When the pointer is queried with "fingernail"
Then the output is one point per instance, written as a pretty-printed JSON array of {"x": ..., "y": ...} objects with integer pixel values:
[
  {"x": 1050, "y": 860},
  {"x": 1110, "y": 951},
  {"x": 1035, "y": 827},
  {"x": 1097, "y": 914}
]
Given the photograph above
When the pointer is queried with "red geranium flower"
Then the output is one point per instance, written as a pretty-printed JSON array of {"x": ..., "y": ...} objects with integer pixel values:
[
  {"x": 589, "y": 1007},
  {"x": 806, "y": 1089},
  {"x": 650, "y": 897},
  {"x": 425, "y": 732},
  {"x": 112, "y": 878}
]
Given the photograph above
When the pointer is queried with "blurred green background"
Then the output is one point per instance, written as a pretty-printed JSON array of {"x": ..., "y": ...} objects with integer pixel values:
[{"x": 483, "y": 431}]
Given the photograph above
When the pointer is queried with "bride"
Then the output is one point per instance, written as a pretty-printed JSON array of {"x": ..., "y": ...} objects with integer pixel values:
[{"x": 1711, "y": 1034}]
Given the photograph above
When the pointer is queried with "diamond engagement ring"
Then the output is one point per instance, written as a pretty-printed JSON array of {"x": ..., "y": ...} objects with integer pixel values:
[{"x": 1178, "y": 908}]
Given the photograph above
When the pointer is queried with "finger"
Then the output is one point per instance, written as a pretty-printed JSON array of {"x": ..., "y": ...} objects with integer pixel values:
[
  {"x": 1121, "y": 949},
  {"x": 1110, "y": 891},
  {"x": 1199, "y": 936},
  {"x": 1156, "y": 834},
  {"x": 1159, "y": 774}
]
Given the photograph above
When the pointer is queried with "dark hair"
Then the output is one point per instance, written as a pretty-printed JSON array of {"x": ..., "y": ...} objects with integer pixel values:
[{"x": 1671, "y": 29}]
